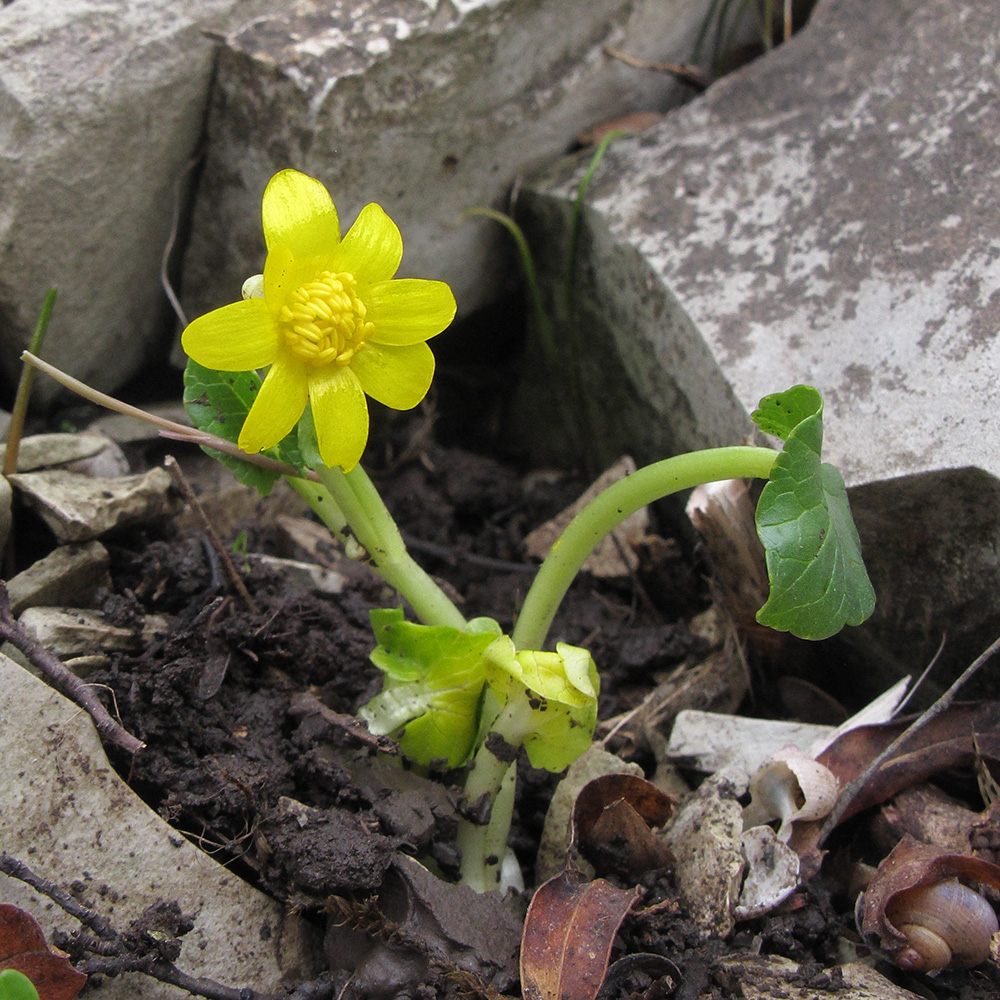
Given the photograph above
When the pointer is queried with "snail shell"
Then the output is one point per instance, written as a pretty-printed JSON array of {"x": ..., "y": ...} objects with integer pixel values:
[
  {"x": 790, "y": 786},
  {"x": 946, "y": 925}
]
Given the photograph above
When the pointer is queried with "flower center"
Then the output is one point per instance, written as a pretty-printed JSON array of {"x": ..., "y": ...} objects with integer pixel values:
[{"x": 324, "y": 323}]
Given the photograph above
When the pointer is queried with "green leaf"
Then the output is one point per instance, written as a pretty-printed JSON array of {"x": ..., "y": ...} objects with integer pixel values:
[
  {"x": 818, "y": 579},
  {"x": 554, "y": 695},
  {"x": 16, "y": 985},
  {"x": 433, "y": 685},
  {"x": 218, "y": 402}
]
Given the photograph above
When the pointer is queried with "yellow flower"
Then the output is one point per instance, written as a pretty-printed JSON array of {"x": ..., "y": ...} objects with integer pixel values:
[{"x": 331, "y": 324}]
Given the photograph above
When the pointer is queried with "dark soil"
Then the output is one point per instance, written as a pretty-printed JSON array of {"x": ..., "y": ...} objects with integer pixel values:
[{"x": 247, "y": 715}]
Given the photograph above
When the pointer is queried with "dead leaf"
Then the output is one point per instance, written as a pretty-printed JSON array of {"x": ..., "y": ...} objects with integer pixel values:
[
  {"x": 23, "y": 947},
  {"x": 945, "y": 742},
  {"x": 568, "y": 934},
  {"x": 613, "y": 820}
]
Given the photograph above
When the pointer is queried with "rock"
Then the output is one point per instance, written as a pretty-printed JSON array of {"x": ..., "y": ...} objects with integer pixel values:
[
  {"x": 429, "y": 108},
  {"x": 709, "y": 741},
  {"x": 126, "y": 430},
  {"x": 79, "y": 508},
  {"x": 75, "y": 822},
  {"x": 299, "y": 575},
  {"x": 68, "y": 574},
  {"x": 774, "y": 976},
  {"x": 704, "y": 836},
  {"x": 89, "y": 454},
  {"x": 826, "y": 215},
  {"x": 73, "y": 632},
  {"x": 103, "y": 105}
]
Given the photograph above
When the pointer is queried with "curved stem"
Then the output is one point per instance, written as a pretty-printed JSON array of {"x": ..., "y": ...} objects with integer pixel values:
[
  {"x": 606, "y": 511},
  {"x": 358, "y": 500}
]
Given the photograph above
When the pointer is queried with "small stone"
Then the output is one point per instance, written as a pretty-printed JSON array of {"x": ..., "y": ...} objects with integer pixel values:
[
  {"x": 78, "y": 508},
  {"x": 307, "y": 576},
  {"x": 87, "y": 453},
  {"x": 70, "y": 574},
  {"x": 554, "y": 846},
  {"x": 69, "y": 632},
  {"x": 705, "y": 837},
  {"x": 709, "y": 741}
]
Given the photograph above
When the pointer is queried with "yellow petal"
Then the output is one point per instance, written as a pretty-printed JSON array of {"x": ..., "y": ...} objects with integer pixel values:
[
  {"x": 396, "y": 376},
  {"x": 278, "y": 406},
  {"x": 408, "y": 310},
  {"x": 280, "y": 277},
  {"x": 298, "y": 212},
  {"x": 372, "y": 248},
  {"x": 340, "y": 413},
  {"x": 235, "y": 338}
]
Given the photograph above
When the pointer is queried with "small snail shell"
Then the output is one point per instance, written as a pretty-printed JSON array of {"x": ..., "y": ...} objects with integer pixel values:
[
  {"x": 790, "y": 786},
  {"x": 947, "y": 924}
]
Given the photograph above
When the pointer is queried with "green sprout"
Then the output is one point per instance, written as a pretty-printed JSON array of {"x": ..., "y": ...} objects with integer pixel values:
[{"x": 456, "y": 693}]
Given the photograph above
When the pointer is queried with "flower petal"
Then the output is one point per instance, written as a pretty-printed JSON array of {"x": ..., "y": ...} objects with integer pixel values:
[
  {"x": 278, "y": 406},
  {"x": 280, "y": 277},
  {"x": 372, "y": 248},
  {"x": 235, "y": 338},
  {"x": 398, "y": 377},
  {"x": 299, "y": 212},
  {"x": 340, "y": 413},
  {"x": 408, "y": 310}
]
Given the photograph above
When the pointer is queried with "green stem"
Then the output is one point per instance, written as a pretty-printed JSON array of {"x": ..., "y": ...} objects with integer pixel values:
[
  {"x": 483, "y": 846},
  {"x": 606, "y": 511},
  {"x": 20, "y": 410},
  {"x": 323, "y": 505},
  {"x": 357, "y": 499}
]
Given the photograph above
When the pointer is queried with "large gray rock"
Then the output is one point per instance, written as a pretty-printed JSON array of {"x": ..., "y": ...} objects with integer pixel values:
[
  {"x": 429, "y": 107},
  {"x": 101, "y": 107},
  {"x": 827, "y": 215}
]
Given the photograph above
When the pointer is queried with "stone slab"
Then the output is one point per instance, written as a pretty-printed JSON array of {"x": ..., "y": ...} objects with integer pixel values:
[
  {"x": 428, "y": 107},
  {"x": 828, "y": 215}
]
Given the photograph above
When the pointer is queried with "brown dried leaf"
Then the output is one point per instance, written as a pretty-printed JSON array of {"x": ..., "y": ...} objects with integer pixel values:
[
  {"x": 23, "y": 947},
  {"x": 568, "y": 933},
  {"x": 612, "y": 822},
  {"x": 912, "y": 864},
  {"x": 945, "y": 742}
]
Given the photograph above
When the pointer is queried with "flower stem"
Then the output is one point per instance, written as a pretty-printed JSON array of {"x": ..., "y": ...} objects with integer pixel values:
[
  {"x": 613, "y": 505},
  {"x": 483, "y": 846},
  {"x": 365, "y": 513},
  {"x": 323, "y": 505}
]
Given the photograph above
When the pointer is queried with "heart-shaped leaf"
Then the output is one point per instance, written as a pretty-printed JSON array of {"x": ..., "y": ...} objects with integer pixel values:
[
  {"x": 818, "y": 579},
  {"x": 218, "y": 402}
]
